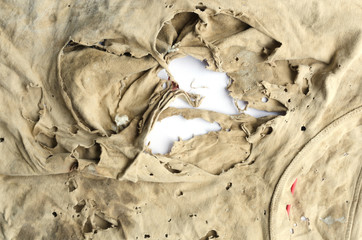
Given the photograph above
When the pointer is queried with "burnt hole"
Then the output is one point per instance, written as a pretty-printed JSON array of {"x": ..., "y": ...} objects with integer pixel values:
[
  {"x": 68, "y": 5},
  {"x": 54, "y": 214},
  {"x": 169, "y": 220},
  {"x": 78, "y": 208},
  {"x": 2, "y": 140},
  {"x": 170, "y": 169},
  {"x": 180, "y": 193},
  {"x": 285, "y": 90},
  {"x": 166, "y": 235},
  {"x": 201, "y": 7},
  {"x": 303, "y": 128},
  {"x": 147, "y": 236},
  {"x": 252, "y": 162},
  {"x": 128, "y": 54},
  {"x": 210, "y": 235},
  {"x": 264, "y": 212},
  {"x": 294, "y": 68},
  {"x": 236, "y": 59},
  {"x": 289, "y": 100},
  {"x": 228, "y": 186},
  {"x": 52, "y": 95},
  {"x": 151, "y": 174},
  {"x": 268, "y": 130},
  {"x": 305, "y": 90}
]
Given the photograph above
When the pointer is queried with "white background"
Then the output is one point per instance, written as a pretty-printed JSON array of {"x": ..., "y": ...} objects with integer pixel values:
[{"x": 193, "y": 77}]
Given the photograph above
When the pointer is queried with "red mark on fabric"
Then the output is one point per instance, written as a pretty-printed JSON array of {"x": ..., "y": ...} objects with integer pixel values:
[
  {"x": 174, "y": 86},
  {"x": 292, "y": 189},
  {"x": 288, "y": 209}
]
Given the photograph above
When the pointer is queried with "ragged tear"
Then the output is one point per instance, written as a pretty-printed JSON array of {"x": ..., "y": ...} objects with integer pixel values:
[{"x": 170, "y": 129}]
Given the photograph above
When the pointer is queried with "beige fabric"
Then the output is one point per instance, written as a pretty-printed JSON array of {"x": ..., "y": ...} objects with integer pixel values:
[{"x": 79, "y": 93}]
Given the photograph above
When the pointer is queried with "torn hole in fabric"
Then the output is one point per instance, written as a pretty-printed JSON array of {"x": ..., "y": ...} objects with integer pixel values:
[
  {"x": 164, "y": 133},
  {"x": 193, "y": 78}
]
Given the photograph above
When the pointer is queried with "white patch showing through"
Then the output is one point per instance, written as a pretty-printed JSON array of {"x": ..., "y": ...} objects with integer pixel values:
[
  {"x": 168, "y": 130},
  {"x": 193, "y": 77},
  {"x": 329, "y": 220},
  {"x": 121, "y": 121}
]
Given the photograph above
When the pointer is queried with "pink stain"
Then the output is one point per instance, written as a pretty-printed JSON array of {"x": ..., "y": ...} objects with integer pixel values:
[
  {"x": 288, "y": 209},
  {"x": 292, "y": 189}
]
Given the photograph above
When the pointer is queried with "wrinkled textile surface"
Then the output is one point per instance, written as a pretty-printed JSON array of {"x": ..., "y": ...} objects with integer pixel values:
[{"x": 79, "y": 93}]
